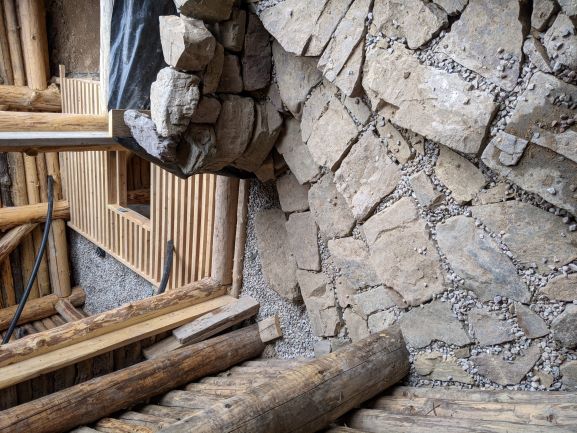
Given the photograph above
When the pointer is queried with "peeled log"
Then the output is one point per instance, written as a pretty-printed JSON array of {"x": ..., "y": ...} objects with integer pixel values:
[
  {"x": 13, "y": 121},
  {"x": 32, "y": 213},
  {"x": 307, "y": 398},
  {"x": 21, "y": 98},
  {"x": 89, "y": 401}
]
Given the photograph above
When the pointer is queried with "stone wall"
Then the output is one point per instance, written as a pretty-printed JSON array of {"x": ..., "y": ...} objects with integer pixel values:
[{"x": 432, "y": 151}]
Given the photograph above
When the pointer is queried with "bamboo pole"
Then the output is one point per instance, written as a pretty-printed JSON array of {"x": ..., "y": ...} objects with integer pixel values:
[
  {"x": 240, "y": 238},
  {"x": 5, "y": 61},
  {"x": 14, "y": 42},
  {"x": 32, "y": 17}
]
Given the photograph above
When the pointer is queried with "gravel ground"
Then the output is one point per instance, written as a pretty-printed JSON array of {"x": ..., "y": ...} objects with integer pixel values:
[
  {"x": 298, "y": 339},
  {"x": 107, "y": 282}
]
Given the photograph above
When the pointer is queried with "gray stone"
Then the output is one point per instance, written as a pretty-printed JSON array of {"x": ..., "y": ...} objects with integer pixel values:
[
  {"x": 207, "y": 111},
  {"x": 398, "y": 215},
  {"x": 348, "y": 80},
  {"x": 143, "y": 129},
  {"x": 257, "y": 56},
  {"x": 359, "y": 111},
  {"x": 356, "y": 325},
  {"x": 562, "y": 143},
  {"x": 366, "y": 175},
  {"x": 320, "y": 302},
  {"x": 173, "y": 100},
  {"x": 477, "y": 258},
  {"x": 487, "y": 31},
  {"x": 372, "y": 301},
  {"x": 186, "y": 43},
  {"x": 530, "y": 323},
  {"x": 213, "y": 72},
  {"x": 351, "y": 257},
  {"x": 543, "y": 10},
  {"x": 561, "y": 288},
  {"x": 535, "y": 51},
  {"x": 267, "y": 127},
  {"x": 277, "y": 261},
  {"x": 332, "y": 135},
  {"x": 415, "y": 20},
  {"x": 230, "y": 33},
  {"x": 504, "y": 372},
  {"x": 561, "y": 40},
  {"x": 231, "y": 77},
  {"x": 380, "y": 321},
  {"x": 436, "y": 366},
  {"x": 198, "y": 150},
  {"x": 500, "y": 192},
  {"x": 452, "y": 7},
  {"x": 487, "y": 328},
  {"x": 207, "y": 10},
  {"x": 330, "y": 209},
  {"x": 315, "y": 106},
  {"x": 345, "y": 291},
  {"x": 459, "y": 175},
  {"x": 424, "y": 190},
  {"x": 302, "y": 232},
  {"x": 322, "y": 348},
  {"x": 332, "y": 14},
  {"x": 296, "y": 76},
  {"x": 273, "y": 95},
  {"x": 292, "y": 195},
  {"x": 433, "y": 322},
  {"x": 569, "y": 373},
  {"x": 564, "y": 327},
  {"x": 396, "y": 143},
  {"x": 296, "y": 153},
  {"x": 427, "y": 100},
  {"x": 532, "y": 234},
  {"x": 569, "y": 7},
  {"x": 545, "y": 379},
  {"x": 292, "y": 23},
  {"x": 510, "y": 148}
]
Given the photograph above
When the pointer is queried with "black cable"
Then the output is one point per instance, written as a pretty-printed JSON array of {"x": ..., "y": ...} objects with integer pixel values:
[
  {"x": 167, "y": 267},
  {"x": 32, "y": 278}
]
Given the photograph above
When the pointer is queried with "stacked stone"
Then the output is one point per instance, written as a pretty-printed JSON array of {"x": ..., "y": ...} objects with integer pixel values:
[
  {"x": 204, "y": 117},
  {"x": 438, "y": 171}
]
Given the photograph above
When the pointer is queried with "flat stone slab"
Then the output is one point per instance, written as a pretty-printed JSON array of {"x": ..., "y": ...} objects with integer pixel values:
[
  {"x": 436, "y": 366},
  {"x": 543, "y": 10},
  {"x": 487, "y": 328},
  {"x": 488, "y": 39},
  {"x": 257, "y": 56},
  {"x": 231, "y": 76},
  {"x": 302, "y": 233},
  {"x": 366, "y": 175},
  {"x": 213, "y": 10},
  {"x": 426, "y": 100},
  {"x": 292, "y": 195},
  {"x": 277, "y": 261},
  {"x": 433, "y": 322},
  {"x": 560, "y": 41},
  {"x": 532, "y": 234},
  {"x": 503, "y": 372},
  {"x": 329, "y": 208},
  {"x": 319, "y": 299},
  {"x": 459, "y": 175},
  {"x": 315, "y": 106},
  {"x": 356, "y": 325},
  {"x": 380, "y": 321},
  {"x": 530, "y": 322},
  {"x": 452, "y": 7},
  {"x": 395, "y": 142},
  {"x": 397, "y": 215},
  {"x": 569, "y": 375},
  {"x": 425, "y": 191},
  {"x": 561, "y": 288},
  {"x": 326, "y": 24},
  {"x": 373, "y": 300},
  {"x": 351, "y": 257},
  {"x": 564, "y": 327},
  {"x": 477, "y": 258}
]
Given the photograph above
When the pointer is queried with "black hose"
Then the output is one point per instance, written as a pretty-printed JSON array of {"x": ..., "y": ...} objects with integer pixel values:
[
  {"x": 167, "y": 267},
  {"x": 32, "y": 278}
]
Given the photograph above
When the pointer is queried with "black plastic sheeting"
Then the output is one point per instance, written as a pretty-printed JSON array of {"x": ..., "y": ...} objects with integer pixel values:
[{"x": 135, "y": 51}]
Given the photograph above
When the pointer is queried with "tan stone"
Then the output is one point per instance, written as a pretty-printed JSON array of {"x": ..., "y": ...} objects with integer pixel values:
[
  {"x": 302, "y": 232},
  {"x": 459, "y": 175},
  {"x": 395, "y": 142},
  {"x": 425, "y": 191},
  {"x": 325, "y": 26},
  {"x": 561, "y": 288},
  {"x": 207, "y": 10},
  {"x": 436, "y": 366},
  {"x": 351, "y": 257},
  {"x": 293, "y": 196}
]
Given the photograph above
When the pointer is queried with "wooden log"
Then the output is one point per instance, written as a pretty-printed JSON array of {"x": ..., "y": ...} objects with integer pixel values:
[
  {"x": 22, "y": 98},
  {"x": 8, "y": 283},
  {"x": 68, "y": 311},
  {"x": 33, "y": 213},
  {"x": 33, "y": 143},
  {"x": 102, "y": 396},
  {"x": 108, "y": 321},
  {"x": 153, "y": 421},
  {"x": 240, "y": 237},
  {"x": 12, "y": 238},
  {"x": 13, "y": 121},
  {"x": 206, "y": 326},
  {"x": 173, "y": 413},
  {"x": 188, "y": 400},
  {"x": 226, "y": 199},
  {"x": 13, "y": 31},
  {"x": 6, "y": 72},
  {"x": 111, "y": 425},
  {"x": 32, "y": 18},
  {"x": 309, "y": 397},
  {"x": 37, "y": 309}
]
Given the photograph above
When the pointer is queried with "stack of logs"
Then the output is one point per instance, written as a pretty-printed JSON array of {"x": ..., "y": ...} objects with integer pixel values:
[{"x": 24, "y": 70}]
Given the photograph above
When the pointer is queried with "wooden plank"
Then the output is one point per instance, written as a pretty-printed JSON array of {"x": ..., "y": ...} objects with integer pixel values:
[
  {"x": 13, "y": 31},
  {"x": 53, "y": 141},
  {"x": 67, "y": 409},
  {"x": 33, "y": 213}
]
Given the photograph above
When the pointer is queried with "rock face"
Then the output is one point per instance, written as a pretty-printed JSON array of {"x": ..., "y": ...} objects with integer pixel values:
[
  {"x": 477, "y": 259},
  {"x": 403, "y": 255},
  {"x": 352, "y": 258},
  {"x": 488, "y": 329},
  {"x": 366, "y": 175},
  {"x": 329, "y": 208},
  {"x": 561, "y": 288},
  {"x": 459, "y": 175},
  {"x": 213, "y": 72},
  {"x": 510, "y": 148},
  {"x": 207, "y": 111},
  {"x": 302, "y": 232},
  {"x": 436, "y": 366},
  {"x": 564, "y": 327},
  {"x": 230, "y": 33},
  {"x": 320, "y": 302},
  {"x": 569, "y": 373},
  {"x": 415, "y": 20},
  {"x": 373, "y": 300},
  {"x": 356, "y": 325},
  {"x": 292, "y": 195},
  {"x": 277, "y": 261},
  {"x": 256, "y": 59},
  {"x": 536, "y": 53},
  {"x": 530, "y": 323},
  {"x": 568, "y": 7},
  {"x": 296, "y": 76},
  {"x": 426, "y": 100},
  {"x": 173, "y": 100},
  {"x": 330, "y": 17},
  {"x": 498, "y": 370},
  {"x": 560, "y": 41},
  {"x": 543, "y": 10},
  {"x": 315, "y": 107},
  {"x": 207, "y": 10},
  {"x": 380, "y": 321},
  {"x": 434, "y": 322},
  {"x": 425, "y": 191},
  {"x": 487, "y": 33},
  {"x": 452, "y": 7},
  {"x": 532, "y": 234},
  {"x": 395, "y": 142},
  {"x": 231, "y": 76},
  {"x": 186, "y": 43}
]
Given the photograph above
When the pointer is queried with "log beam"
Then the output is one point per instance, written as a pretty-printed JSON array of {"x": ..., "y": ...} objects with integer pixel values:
[
  {"x": 12, "y": 238},
  {"x": 12, "y": 121},
  {"x": 22, "y": 98},
  {"x": 33, "y": 143},
  {"x": 33, "y": 213}
]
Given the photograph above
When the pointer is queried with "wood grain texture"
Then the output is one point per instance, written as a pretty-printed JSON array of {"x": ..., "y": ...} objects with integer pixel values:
[
  {"x": 32, "y": 18},
  {"x": 22, "y": 98},
  {"x": 33, "y": 213},
  {"x": 240, "y": 237},
  {"x": 13, "y": 30},
  {"x": 13, "y": 121}
]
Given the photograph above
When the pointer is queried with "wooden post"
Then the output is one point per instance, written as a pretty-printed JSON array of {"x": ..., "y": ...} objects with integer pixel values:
[
  {"x": 90, "y": 401},
  {"x": 106, "y": 7},
  {"x": 12, "y": 238},
  {"x": 309, "y": 397},
  {"x": 240, "y": 238},
  {"x": 21, "y": 98},
  {"x": 14, "y": 43},
  {"x": 226, "y": 199},
  {"x": 32, "y": 17},
  {"x": 5, "y": 61}
]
